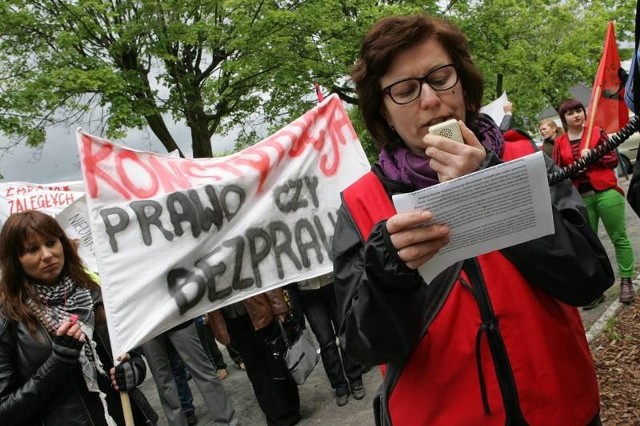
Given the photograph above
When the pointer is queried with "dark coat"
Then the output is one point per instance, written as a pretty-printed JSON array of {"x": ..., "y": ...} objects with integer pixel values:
[{"x": 37, "y": 387}]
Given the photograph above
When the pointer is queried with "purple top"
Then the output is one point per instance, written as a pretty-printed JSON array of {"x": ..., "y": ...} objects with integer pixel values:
[{"x": 402, "y": 165}]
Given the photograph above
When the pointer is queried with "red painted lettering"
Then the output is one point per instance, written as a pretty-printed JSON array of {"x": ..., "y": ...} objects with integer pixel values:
[
  {"x": 90, "y": 164},
  {"x": 136, "y": 190},
  {"x": 169, "y": 177}
]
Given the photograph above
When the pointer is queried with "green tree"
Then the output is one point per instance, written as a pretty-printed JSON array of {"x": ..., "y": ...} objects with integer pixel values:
[
  {"x": 537, "y": 49},
  {"x": 212, "y": 65},
  {"x": 251, "y": 64}
]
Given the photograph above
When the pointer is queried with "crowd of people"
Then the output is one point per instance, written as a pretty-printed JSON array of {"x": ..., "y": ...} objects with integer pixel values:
[{"x": 495, "y": 339}]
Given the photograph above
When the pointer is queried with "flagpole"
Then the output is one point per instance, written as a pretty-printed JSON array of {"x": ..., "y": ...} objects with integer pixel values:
[{"x": 592, "y": 115}]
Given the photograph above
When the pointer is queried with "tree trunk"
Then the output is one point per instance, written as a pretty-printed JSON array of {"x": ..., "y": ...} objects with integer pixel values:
[
  {"x": 201, "y": 142},
  {"x": 159, "y": 128}
]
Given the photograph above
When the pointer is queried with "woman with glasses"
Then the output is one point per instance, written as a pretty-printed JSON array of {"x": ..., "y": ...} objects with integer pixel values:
[{"x": 492, "y": 340}]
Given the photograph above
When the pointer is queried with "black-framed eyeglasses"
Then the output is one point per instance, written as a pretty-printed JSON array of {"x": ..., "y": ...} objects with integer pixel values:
[{"x": 408, "y": 90}]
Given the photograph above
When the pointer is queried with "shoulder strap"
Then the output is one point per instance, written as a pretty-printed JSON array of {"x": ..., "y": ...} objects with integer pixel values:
[{"x": 368, "y": 203}]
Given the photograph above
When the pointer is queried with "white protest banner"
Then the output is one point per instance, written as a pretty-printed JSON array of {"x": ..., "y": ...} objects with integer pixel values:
[
  {"x": 50, "y": 198},
  {"x": 176, "y": 238},
  {"x": 75, "y": 221},
  {"x": 62, "y": 200}
]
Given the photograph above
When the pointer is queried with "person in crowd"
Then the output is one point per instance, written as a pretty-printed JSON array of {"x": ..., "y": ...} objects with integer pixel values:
[
  {"x": 184, "y": 339},
  {"x": 550, "y": 132},
  {"x": 213, "y": 351},
  {"x": 316, "y": 300},
  {"x": 55, "y": 358},
  {"x": 493, "y": 339},
  {"x": 507, "y": 120},
  {"x": 181, "y": 377},
  {"x": 251, "y": 323},
  {"x": 599, "y": 188}
]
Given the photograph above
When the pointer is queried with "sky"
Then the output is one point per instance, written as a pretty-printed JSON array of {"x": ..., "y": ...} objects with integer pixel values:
[{"x": 58, "y": 161}]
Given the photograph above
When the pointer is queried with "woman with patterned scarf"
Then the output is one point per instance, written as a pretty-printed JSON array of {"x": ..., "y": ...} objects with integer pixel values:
[{"x": 55, "y": 364}]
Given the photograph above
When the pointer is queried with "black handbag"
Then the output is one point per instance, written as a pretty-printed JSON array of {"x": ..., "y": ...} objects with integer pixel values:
[
  {"x": 293, "y": 343},
  {"x": 301, "y": 355}
]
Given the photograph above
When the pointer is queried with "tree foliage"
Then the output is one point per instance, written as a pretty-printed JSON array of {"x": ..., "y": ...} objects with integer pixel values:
[
  {"x": 251, "y": 64},
  {"x": 536, "y": 50}
]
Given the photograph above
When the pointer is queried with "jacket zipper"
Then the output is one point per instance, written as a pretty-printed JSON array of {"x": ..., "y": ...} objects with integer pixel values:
[{"x": 497, "y": 348}]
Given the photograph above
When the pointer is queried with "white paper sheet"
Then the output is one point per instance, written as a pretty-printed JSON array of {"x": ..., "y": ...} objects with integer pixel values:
[
  {"x": 495, "y": 109},
  {"x": 488, "y": 210}
]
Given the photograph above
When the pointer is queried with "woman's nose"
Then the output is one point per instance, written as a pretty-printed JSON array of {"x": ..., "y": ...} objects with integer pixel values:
[
  {"x": 428, "y": 96},
  {"x": 46, "y": 253}
]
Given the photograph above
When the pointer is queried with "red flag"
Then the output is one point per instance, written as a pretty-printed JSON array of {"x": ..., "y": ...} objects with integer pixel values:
[
  {"x": 318, "y": 92},
  {"x": 606, "y": 106}
]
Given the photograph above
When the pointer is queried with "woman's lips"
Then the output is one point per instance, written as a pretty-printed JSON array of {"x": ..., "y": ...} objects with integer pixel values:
[{"x": 50, "y": 268}]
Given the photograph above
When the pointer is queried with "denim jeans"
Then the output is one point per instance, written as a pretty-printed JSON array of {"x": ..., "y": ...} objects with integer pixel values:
[{"x": 179, "y": 373}]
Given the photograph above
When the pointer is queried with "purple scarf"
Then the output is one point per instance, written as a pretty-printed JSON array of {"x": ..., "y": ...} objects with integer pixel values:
[{"x": 402, "y": 165}]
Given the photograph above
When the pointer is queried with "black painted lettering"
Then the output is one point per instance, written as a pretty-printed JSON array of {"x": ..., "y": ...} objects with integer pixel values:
[
  {"x": 207, "y": 215},
  {"x": 148, "y": 213},
  {"x": 216, "y": 289},
  {"x": 180, "y": 210},
  {"x": 312, "y": 184},
  {"x": 326, "y": 242},
  {"x": 112, "y": 228},
  {"x": 259, "y": 248},
  {"x": 178, "y": 279},
  {"x": 282, "y": 246},
  {"x": 306, "y": 239},
  {"x": 233, "y": 197},
  {"x": 239, "y": 283}
]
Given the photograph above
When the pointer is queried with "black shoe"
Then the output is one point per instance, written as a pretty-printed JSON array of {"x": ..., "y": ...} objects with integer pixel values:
[
  {"x": 358, "y": 391},
  {"x": 191, "y": 419},
  {"x": 598, "y": 300},
  {"x": 342, "y": 397}
]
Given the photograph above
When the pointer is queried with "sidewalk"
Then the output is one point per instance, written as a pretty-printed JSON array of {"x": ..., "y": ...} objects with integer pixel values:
[
  {"x": 317, "y": 405},
  {"x": 316, "y": 397}
]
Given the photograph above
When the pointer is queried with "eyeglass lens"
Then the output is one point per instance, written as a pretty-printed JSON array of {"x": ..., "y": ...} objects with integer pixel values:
[{"x": 440, "y": 79}]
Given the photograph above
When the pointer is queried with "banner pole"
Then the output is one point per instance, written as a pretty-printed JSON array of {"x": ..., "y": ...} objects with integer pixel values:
[{"x": 126, "y": 409}]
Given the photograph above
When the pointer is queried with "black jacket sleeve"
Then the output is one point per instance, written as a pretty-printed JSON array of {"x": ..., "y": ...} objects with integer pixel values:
[
  {"x": 24, "y": 402},
  {"x": 571, "y": 264},
  {"x": 380, "y": 299}
]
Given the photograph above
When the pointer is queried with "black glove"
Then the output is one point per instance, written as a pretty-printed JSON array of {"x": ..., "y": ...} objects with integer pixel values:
[
  {"x": 127, "y": 376},
  {"x": 67, "y": 348}
]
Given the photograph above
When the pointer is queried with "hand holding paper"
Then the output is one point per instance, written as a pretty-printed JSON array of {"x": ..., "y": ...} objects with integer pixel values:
[
  {"x": 416, "y": 242},
  {"x": 485, "y": 211}
]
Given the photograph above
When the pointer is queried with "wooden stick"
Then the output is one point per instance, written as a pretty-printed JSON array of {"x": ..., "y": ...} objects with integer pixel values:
[
  {"x": 126, "y": 409},
  {"x": 592, "y": 116}
]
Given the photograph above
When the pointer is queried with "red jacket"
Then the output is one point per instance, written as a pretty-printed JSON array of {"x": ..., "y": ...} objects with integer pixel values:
[
  {"x": 493, "y": 349},
  {"x": 547, "y": 353},
  {"x": 600, "y": 175}
]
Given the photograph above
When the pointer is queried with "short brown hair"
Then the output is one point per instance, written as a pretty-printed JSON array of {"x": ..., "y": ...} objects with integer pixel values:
[
  {"x": 390, "y": 36},
  {"x": 568, "y": 105}
]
